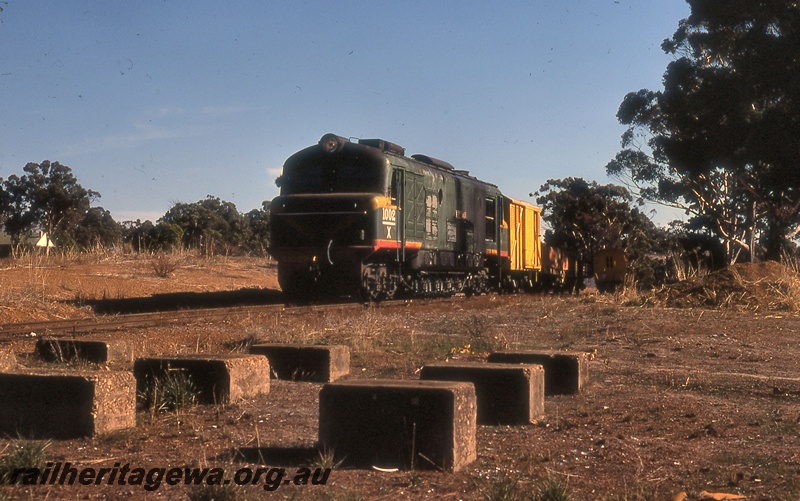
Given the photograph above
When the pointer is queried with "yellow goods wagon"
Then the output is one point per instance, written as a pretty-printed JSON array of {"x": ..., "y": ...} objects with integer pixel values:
[
  {"x": 524, "y": 221},
  {"x": 610, "y": 266}
]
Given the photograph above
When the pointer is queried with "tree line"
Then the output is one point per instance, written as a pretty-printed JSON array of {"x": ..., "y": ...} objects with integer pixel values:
[
  {"x": 47, "y": 197},
  {"x": 583, "y": 216}
]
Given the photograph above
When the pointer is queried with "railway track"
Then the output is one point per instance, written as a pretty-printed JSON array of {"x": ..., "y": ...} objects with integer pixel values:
[
  {"x": 11, "y": 331},
  {"x": 104, "y": 323}
]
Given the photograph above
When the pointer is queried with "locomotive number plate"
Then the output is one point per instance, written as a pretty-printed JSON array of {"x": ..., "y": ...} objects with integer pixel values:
[{"x": 389, "y": 216}]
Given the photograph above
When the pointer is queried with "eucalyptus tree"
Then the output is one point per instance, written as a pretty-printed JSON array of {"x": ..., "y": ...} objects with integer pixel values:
[
  {"x": 722, "y": 139},
  {"x": 47, "y": 197},
  {"x": 210, "y": 224},
  {"x": 258, "y": 222},
  {"x": 97, "y": 228}
]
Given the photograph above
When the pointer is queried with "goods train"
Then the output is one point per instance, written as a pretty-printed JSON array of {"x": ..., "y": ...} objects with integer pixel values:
[{"x": 359, "y": 218}]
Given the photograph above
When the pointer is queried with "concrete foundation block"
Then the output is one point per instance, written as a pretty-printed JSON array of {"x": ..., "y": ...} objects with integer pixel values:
[
  {"x": 299, "y": 362},
  {"x": 565, "y": 373},
  {"x": 399, "y": 424},
  {"x": 507, "y": 394},
  {"x": 65, "y": 404},
  {"x": 8, "y": 361},
  {"x": 95, "y": 351},
  {"x": 219, "y": 378}
]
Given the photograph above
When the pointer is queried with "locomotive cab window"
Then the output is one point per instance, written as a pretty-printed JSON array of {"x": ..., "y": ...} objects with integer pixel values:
[
  {"x": 491, "y": 224},
  {"x": 396, "y": 186}
]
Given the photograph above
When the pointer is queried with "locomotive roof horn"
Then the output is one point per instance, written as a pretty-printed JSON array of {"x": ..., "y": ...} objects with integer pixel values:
[
  {"x": 331, "y": 143},
  {"x": 383, "y": 145}
]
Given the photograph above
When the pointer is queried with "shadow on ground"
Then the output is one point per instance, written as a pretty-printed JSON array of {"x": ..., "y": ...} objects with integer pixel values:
[
  {"x": 302, "y": 455},
  {"x": 183, "y": 301}
]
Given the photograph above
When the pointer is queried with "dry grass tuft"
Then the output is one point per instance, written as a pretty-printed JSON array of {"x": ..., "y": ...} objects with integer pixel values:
[
  {"x": 164, "y": 265},
  {"x": 768, "y": 286}
]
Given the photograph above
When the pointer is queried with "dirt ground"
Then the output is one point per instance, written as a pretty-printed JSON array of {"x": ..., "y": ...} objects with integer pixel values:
[{"x": 700, "y": 400}]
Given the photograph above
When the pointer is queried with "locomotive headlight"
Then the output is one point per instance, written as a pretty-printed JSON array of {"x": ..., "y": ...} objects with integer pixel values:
[{"x": 331, "y": 143}]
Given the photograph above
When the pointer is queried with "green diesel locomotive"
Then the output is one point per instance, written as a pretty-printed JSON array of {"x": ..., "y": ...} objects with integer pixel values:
[{"x": 362, "y": 219}]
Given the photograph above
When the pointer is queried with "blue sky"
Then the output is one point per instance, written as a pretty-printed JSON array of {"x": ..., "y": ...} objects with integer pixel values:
[{"x": 157, "y": 102}]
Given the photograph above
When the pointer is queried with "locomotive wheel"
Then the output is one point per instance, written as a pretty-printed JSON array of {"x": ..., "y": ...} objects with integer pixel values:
[
  {"x": 392, "y": 286},
  {"x": 376, "y": 283}
]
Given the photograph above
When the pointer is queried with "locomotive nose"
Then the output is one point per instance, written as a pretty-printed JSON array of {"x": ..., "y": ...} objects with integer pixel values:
[{"x": 309, "y": 222}]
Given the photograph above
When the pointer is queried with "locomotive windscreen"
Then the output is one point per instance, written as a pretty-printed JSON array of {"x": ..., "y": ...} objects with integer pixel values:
[{"x": 332, "y": 174}]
